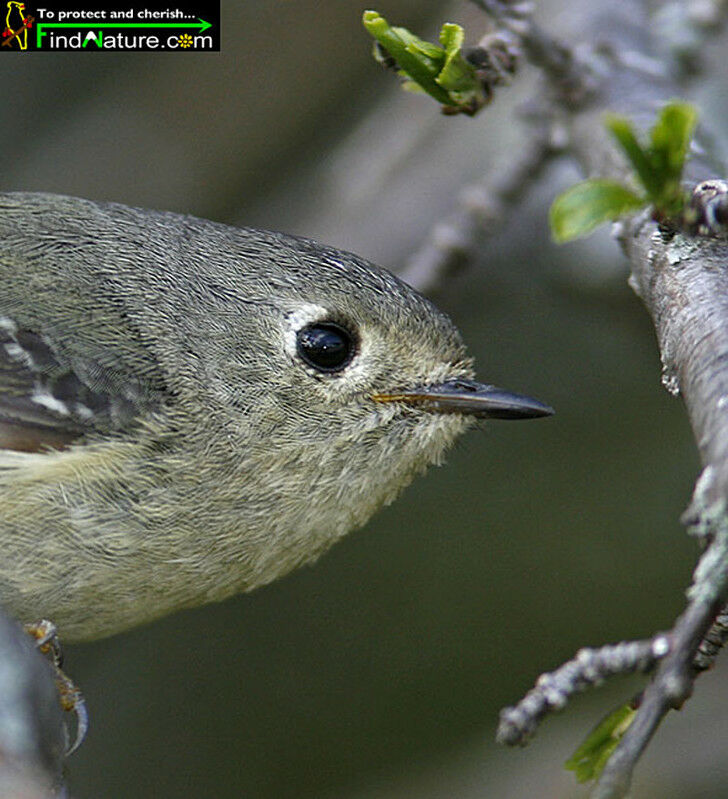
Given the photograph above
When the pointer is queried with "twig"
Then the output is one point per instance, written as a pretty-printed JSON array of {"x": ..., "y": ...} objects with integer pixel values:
[
  {"x": 590, "y": 667},
  {"x": 481, "y": 209},
  {"x": 673, "y": 682},
  {"x": 543, "y": 50},
  {"x": 483, "y": 206},
  {"x": 682, "y": 29},
  {"x": 713, "y": 642}
]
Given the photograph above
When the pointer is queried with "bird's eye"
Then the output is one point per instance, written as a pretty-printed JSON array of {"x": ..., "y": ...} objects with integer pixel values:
[{"x": 326, "y": 346}]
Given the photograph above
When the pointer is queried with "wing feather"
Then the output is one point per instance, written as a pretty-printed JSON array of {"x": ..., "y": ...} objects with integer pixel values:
[{"x": 43, "y": 404}]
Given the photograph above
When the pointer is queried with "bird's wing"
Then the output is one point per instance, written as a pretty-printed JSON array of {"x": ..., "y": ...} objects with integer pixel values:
[{"x": 43, "y": 402}]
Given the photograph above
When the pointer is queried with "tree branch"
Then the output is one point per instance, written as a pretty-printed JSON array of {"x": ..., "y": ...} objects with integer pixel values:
[
  {"x": 589, "y": 668},
  {"x": 32, "y": 730},
  {"x": 481, "y": 210},
  {"x": 683, "y": 282}
]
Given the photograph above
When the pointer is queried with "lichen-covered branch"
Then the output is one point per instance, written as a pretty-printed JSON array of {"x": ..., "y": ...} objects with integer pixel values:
[
  {"x": 683, "y": 284},
  {"x": 589, "y": 668}
]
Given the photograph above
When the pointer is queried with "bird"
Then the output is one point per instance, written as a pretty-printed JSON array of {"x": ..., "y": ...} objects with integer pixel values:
[{"x": 190, "y": 410}]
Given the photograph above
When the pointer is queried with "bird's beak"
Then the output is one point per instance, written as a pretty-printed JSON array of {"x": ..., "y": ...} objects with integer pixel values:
[{"x": 471, "y": 398}]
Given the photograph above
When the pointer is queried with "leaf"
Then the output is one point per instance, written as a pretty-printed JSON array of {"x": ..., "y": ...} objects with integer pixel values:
[
  {"x": 659, "y": 165},
  {"x": 579, "y": 209},
  {"x": 458, "y": 76},
  {"x": 442, "y": 72},
  {"x": 452, "y": 38},
  {"x": 670, "y": 137},
  {"x": 589, "y": 759},
  {"x": 456, "y": 73},
  {"x": 413, "y": 56},
  {"x": 641, "y": 159},
  {"x": 427, "y": 49}
]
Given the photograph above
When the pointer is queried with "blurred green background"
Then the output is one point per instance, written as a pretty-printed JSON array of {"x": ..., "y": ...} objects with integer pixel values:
[{"x": 379, "y": 673}]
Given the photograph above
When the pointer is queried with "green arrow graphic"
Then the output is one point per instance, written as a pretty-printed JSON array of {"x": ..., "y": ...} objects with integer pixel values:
[{"x": 201, "y": 25}]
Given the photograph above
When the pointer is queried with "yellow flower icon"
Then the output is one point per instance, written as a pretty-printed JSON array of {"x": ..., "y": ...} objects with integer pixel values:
[{"x": 185, "y": 40}]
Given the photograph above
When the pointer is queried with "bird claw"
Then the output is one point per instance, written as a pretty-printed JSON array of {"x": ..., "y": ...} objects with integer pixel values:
[{"x": 69, "y": 695}]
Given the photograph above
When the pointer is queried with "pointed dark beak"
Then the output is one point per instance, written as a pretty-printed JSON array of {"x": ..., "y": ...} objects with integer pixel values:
[{"x": 471, "y": 398}]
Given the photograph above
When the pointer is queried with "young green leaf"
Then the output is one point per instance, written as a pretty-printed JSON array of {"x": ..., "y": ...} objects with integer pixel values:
[
  {"x": 584, "y": 206},
  {"x": 413, "y": 56},
  {"x": 456, "y": 73},
  {"x": 592, "y": 755},
  {"x": 658, "y": 164},
  {"x": 640, "y": 158},
  {"x": 441, "y": 72},
  {"x": 670, "y": 137}
]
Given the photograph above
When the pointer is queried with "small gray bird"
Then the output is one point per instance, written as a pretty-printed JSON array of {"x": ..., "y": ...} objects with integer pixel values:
[{"x": 189, "y": 410}]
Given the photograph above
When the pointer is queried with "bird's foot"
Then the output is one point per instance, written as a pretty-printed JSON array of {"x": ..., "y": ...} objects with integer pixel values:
[{"x": 69, "y": 695}]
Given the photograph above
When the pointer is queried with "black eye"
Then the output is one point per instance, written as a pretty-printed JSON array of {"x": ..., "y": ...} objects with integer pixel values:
[{"x": 326, "y": 346}]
